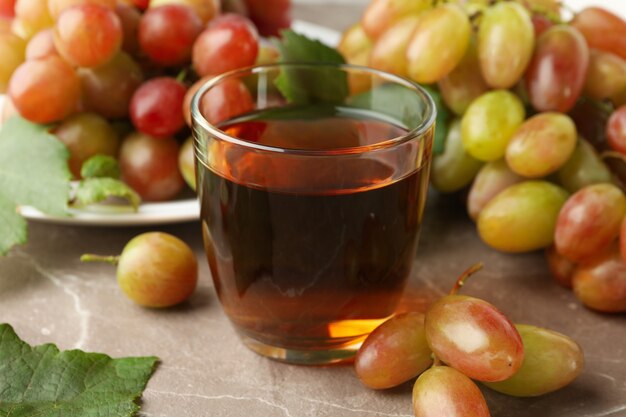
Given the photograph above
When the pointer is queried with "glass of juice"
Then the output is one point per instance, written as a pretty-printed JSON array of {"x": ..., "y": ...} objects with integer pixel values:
[{"x": 312, "y": 180}]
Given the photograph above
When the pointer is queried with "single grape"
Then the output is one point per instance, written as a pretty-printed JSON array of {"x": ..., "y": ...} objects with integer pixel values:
[
  {"x": 230, "y": 42},
  {"x": 55, "y": 7},
  {"x": 489, "y": 123},
  {"x": 523, "y": 217},
  {"x": 12, "y": 52},
  {"x": 395, "y": 352},
  {"x": 541, "y": 145},
  {"x": 606, "y": 76},
  {"x": 226, "y": 100},
  {"x": 268, "y": 54},
  {"x": 388, "y": 53},
  {"x": 31, "y": 16},
  {"x": 41, "y": 45},
  {"x": 86, "y": 135},
  {"x": 502, "y": 60},
  {"x": 600, "y": 283},
  {"x": 616, "y": 130},
  {"x": 556, "y": 75},
  {"x": 474, "y": 337},
  {"x": 551, "y": 361},
  {"x": 156, "y": 108},
  {"x": 584, "y": 167},
  {"x": 493, "y": 178},
  {"x": 442, "y": 391},
  {"x": 189, "y": 96},
  {"x": 590, "y": 221},
  {"x": 355, "y": 46},
  {"x": 154, "y": 175},
  {"x": 167, "y": 33},
  {"x": 45, "y": 90},
  {"x": 205, "y": 9},
  {"x": 129, "y": 18},
  {"x": 438, "y": 43},
  {"x": 380, "y": 15},
  {"x": 88, "y": 35},
  {"x": 602, "y": 29},
  {"x": 187, "y": 163},
  {"x": 453, "y": 169},
  {"x": 155, "y": 269},
  {"x": 465, "y": 83},
  {"x": 108, "y": 89},
  {"x": 561, "y": 268},
  {"x": 269, "y": 16}
]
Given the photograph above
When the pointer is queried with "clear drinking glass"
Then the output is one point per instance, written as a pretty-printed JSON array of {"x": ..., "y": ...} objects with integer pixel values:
[{"x": 312, "y": 181}]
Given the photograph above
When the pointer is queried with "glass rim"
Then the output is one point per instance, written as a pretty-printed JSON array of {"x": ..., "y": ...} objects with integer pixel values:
[{"x": 427, "y": 122}]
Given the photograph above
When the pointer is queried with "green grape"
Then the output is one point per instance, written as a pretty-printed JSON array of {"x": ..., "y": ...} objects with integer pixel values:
[
  {"x": 606, "y": 75},
  {"x": 541, "y": 145},
  {"x": 584, "y": 167},
  {"x": 523, "y": 217},
  {"x": 600, "y": 283},
  {"x": 551, "y": 361},
  {"x": 506, "y": 39},
  {"x": 155, "y": 269},
  {"x": 465, "y": 83},
  {"x": 438, "y": 43},
  {"x": 86, "y": 135},
  {"x": 394, "y": 352},
  {"x": 388, "y": 53},
  {"x": 12, "y": 51},
  {"x": 454, "y": 168},
  {"x": 445, "y": 392},
  {"x": 474, "y": 337},
  {"x": 31, "y": 16},
  {"x": 187, "y": 163},
  {"x": 493, "y": 178},
  {"x": 355, "y": 46},
  {"x": 380, "y": 15},
  {"x": 489, "y": 123},
  {"x": 589, "y": 221}
]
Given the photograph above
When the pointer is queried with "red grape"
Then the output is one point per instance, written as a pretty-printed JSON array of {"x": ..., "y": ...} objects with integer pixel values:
[
  {"x": 41, "y": 45},
  {"x": 616, "y": 130},
  {"x": 45, "y": 90},
  {"x": 88, "y": 35},
  {"x": 557, "y": 71},
  {"x": 150, "y": 166},
  {"x": 589, "y": 221},
  {"x": 189, "y": 96},
  {"x": 270, "y": 16},
  {"x": 7, "y": 9},
  {"x": 606, "y": 76},
  {"x": 156, "y": 108},
  {"x": 602, "y": 30},
  {"x": 167, "y": 33},
  {"x": 108, "y": 89},
  {"x": 472, "y": 336},
  {"x": 230, "y": 42},
  {"x": 55, "y": 7},
  {"x": 129, "y": 18},
  {"x": 226, "y": 100},
  {"x": 562, "y": 269},
  {"x": 541, "y": 23}
]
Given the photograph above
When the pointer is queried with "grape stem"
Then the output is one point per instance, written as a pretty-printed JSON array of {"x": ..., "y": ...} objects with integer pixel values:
[
  {"x": 465, "y": 275},
  {"x": 88, "y": 257}
]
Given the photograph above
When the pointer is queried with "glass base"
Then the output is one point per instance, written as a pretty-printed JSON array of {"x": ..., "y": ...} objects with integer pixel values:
[{"x": 341, "y": 354}]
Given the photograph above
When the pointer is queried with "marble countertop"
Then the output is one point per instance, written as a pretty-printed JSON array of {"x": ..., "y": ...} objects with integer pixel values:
[{"x": 49, "y": 296}]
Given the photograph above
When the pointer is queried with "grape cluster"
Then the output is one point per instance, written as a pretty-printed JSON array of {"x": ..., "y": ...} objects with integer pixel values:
[
  {"x": 115, "y": 77},
  {"x": 538, "y": 106},
  {"x": 461, "y": 339}
]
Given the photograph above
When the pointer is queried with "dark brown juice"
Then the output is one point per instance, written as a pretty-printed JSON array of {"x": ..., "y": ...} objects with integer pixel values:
[{"x": 310, "y": 253}]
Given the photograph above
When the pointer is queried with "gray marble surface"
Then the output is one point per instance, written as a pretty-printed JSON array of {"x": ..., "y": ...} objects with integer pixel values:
[{"x": 49, "y": 296}]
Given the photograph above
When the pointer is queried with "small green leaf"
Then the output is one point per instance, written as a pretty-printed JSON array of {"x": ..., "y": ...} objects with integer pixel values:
[
  {"x": 100, "y": 166},
  {"x": 33, "y": 172},
  {"x": 313, "y": 85},
  {"x": 96, "y": 190},
  {"x": 41, "y": 381}
]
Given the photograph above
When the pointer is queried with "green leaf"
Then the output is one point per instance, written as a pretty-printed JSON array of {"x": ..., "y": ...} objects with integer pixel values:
[
  {"x": 33, "y": 172},
  {"x": 313, "y": 85},
  {"x": 96, "y": 190},
  {"x": 100, "y": 166},
  {"x": 41, "y": 381}
]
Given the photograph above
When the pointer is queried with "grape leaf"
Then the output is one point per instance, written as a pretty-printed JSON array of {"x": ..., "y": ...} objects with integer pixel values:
[
  {"x": 314, "y": 85},
  {"x": 96, "y": 190},
  {"x": 41, "y": 381},
  {"x": 33, "y": 172},
  {"x": 99, "y": 166}
]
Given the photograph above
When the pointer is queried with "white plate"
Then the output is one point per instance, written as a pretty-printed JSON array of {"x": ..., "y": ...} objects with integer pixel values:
[{"x": 166, "y": 212}]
